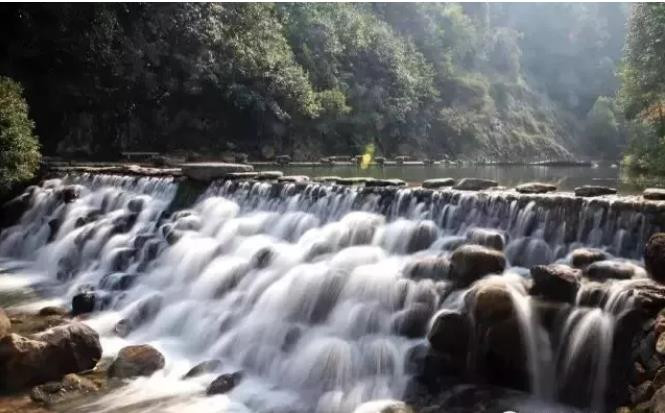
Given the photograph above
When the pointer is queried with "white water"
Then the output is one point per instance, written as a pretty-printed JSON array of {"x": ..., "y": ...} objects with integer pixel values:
[{"x": 299, "y": 289}]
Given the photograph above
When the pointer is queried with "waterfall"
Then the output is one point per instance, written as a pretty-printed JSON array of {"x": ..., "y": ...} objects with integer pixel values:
[{"x": 301, "y": 286}]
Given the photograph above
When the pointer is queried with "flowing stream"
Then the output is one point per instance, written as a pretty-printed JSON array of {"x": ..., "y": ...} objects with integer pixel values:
[{"x": 302, "y": 286}]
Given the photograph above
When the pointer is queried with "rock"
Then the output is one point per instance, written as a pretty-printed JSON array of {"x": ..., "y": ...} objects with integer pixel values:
[
  {"x": 47, "y": 356},
  {"x": 555, "y": 282},
  {"x": 83, "y": 303},
  {"x": 659, "y": 378},
  {"x": 269, "y": 175},
  {"x": 71, "y": 386},
  {"x": 224, "y": 383},
  {"x": 283, "y": 159},
  {"x": 641, "y": 393},
  {"x": 294, "y": 178},
  {"x": 535, "y": 188},
  {"x": 434, "y": 268},
  {"x": 383, "y": 406},
  {"x": 654, "y": 194},
  {"x": 53, "y": 310},
  {"x": 492, "y": 302},
  {"x": 412, "y": 321},
  {"x": 654, "y": 257},
  {"x": 204, "y": 367},
  {"x": 475, "y": 184},
  {"x": 658, "y": 401},
  {"x": 489, "y": 238},
  {"x": 69, "y": 193},
  {"x": 326, "y": 178},
  {"x": 593, "y": 190},
  {"x": 384, "y": 182},
  {"x": 423, "y": 235},
  {"x": 357, "y": 180},
  {"x": 12, "y": 210},
  {"x": 506, "y": 355},
  {"x": 143, "y": 312},
  {"x": 5, "y": 324},
  {"x": 208, "y": 171},
  {"x": 438, "y": 183},
  {"x": 450, "y": 333},
  {"x": 469, "y": 263},
  {"x": 608, "y": 269},
  {"x": 132, "y": 361},
  {"x": 660, "y": 344},
  {"x": 582, "y": 257},
  {"x": 241, "y": 175}
]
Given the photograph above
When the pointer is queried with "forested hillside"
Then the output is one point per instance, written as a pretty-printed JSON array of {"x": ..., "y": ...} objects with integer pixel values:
[{"x": 474, "y": 81}]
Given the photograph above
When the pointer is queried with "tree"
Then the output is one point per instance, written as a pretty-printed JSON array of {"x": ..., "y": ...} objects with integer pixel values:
[
  {"x": 602, "y": 128},
  {"x": 19, "y": 148}
]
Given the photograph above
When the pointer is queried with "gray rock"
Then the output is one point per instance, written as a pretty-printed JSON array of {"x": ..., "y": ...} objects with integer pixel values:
[
  {"x": 208, "y": 171},
  {"x": 489, "y": 238},
  {"x": 204, "y": 367},
  {"x": 593, "y": 190},
  {"x": 438, "y": 183},
  {"x": 475, "y": 184},
  {"x": 224, "y": 383},
  {"x": 654, "y": 194},
  {"x": 434, "y": 268},
  {"x": 535, "y": 188}
]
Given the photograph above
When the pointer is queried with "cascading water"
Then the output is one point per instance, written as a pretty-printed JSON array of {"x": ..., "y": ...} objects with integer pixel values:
[{"x": 302, "y": 287}]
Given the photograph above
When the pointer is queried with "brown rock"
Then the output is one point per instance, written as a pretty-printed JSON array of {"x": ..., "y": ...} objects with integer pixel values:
[
  {"x": 660, "y": 344},
  {"x": 224, "y": 383},
  {"x": 5, "y": 324},
  {"x": 582, "y": 257},
  {"x": 492, "y": 302},
  {"x": 658, "y": 401},
  {"x": 450, "y": 333},
  {"x": 592, "y": 190},
  {"x": 641, "y": 393},
  {"x": 70, "y": 387},
  {"x": 659, "y": 378},
  {"x": 654, "y": 194},
  {"x": 53, "y": 310},
  {"x": 469, "y": 263},
  {"x": 556, "y": 282},
  {"x": 654, "y": 257},
  {"x": 132, "y": 361},
  {"x": 535, "y": 188},
  {"x": 475, "y": 184}
]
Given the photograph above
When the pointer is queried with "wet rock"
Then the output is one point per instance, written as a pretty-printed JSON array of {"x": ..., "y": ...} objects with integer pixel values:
[
  {"x": 69, "y": 193},
  {"x": 241, "y": 175},
  {"x": 593, "y": 190},
  {"x": 5, "y": 324},
  {"x": 384, "y": 182},
  {"x": 660, "y": 344},
  {"x": 506, "y": 357},
  {"x": 659, "y": 378},
  {"x": 450, "y": 333},
  {"x": 654, "y": 194},
  {"x": 12, "y": 210},
  {"x": 412, "y": 322},
  {"x": 657, "y": 404},
  {"x": 555, "y": 282},
  {"x": 207, "y": 171},
  {"x": 132, "y": 361},
  {"x": 47, "y": 356},
  {"x": 641, "y": 393},
  {"x": 654, "y": 257},
  {"x": 582, "y": 257},
  {"x": 224, "y": 383},
  {"x": 492, "y": 302},
  {"x": 438, "y": 183},
  {"x": 204, "y": 367},
  {"x": 72, "y": 386},
  {"x": 383, "y": 406},
  {"x": 144, "y": 311},
  {"x": 423, "y": 235},
  {"x": 263, "y": 257},
  {"x": 434, "y": 268},
  {"x": 118, "y": 281},
  {"x": 608, "y": 269},
  {"x": 469, "y": 263},
  {"x": 83, "y": 303},
  {"x": 535, "y": 188},
  {"x": 53, "y": 310},
  {"x": 486, "y": 237},
  {"x": 136, "y": 205},
  {"x": 357, "y": 180},
  {"x": 475, "y": 184}
]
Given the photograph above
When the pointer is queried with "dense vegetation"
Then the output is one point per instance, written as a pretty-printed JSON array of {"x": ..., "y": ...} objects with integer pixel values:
[
  {"x": 19, "y": 149},
  {"x": 642, "y": 93},
  {"x": 483, "y": 81}
]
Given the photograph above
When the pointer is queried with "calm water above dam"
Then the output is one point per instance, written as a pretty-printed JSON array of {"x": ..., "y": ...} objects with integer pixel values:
[{"x": 566, "y": 178}]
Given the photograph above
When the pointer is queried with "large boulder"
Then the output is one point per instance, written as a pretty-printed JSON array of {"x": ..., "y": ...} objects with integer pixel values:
[
  {"x": 434, "y": 268},
  {"x": 582, "y": 257},
  {"x": 132, "y": 361},
  {"x": 224, "y": 383},
  {"x": 535, "y": 188},
  {"x": 469, "y": 263},
  {"x": 486, "y": 237},
  {"x": 5, "y": 324},
  {"x": 438, "y": 183},
  {"x": 475, "y": 184},
  {"x": 450, "y": 333},
  {"x": 654, "y": 194},
  {"x": 654, "y": 257},
  {"x": 593, "y": 190},
  {"x": 47, "y": 356},
  {"x": 610, "y": 269},
  {"x": 555, "y": 282}
]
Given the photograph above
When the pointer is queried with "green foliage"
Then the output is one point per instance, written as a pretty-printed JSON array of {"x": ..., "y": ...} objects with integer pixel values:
[
  {"x": 642, "y": 94},
  {"x": 19, "y": 149},
  {"x": 602, "y": 128}
]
